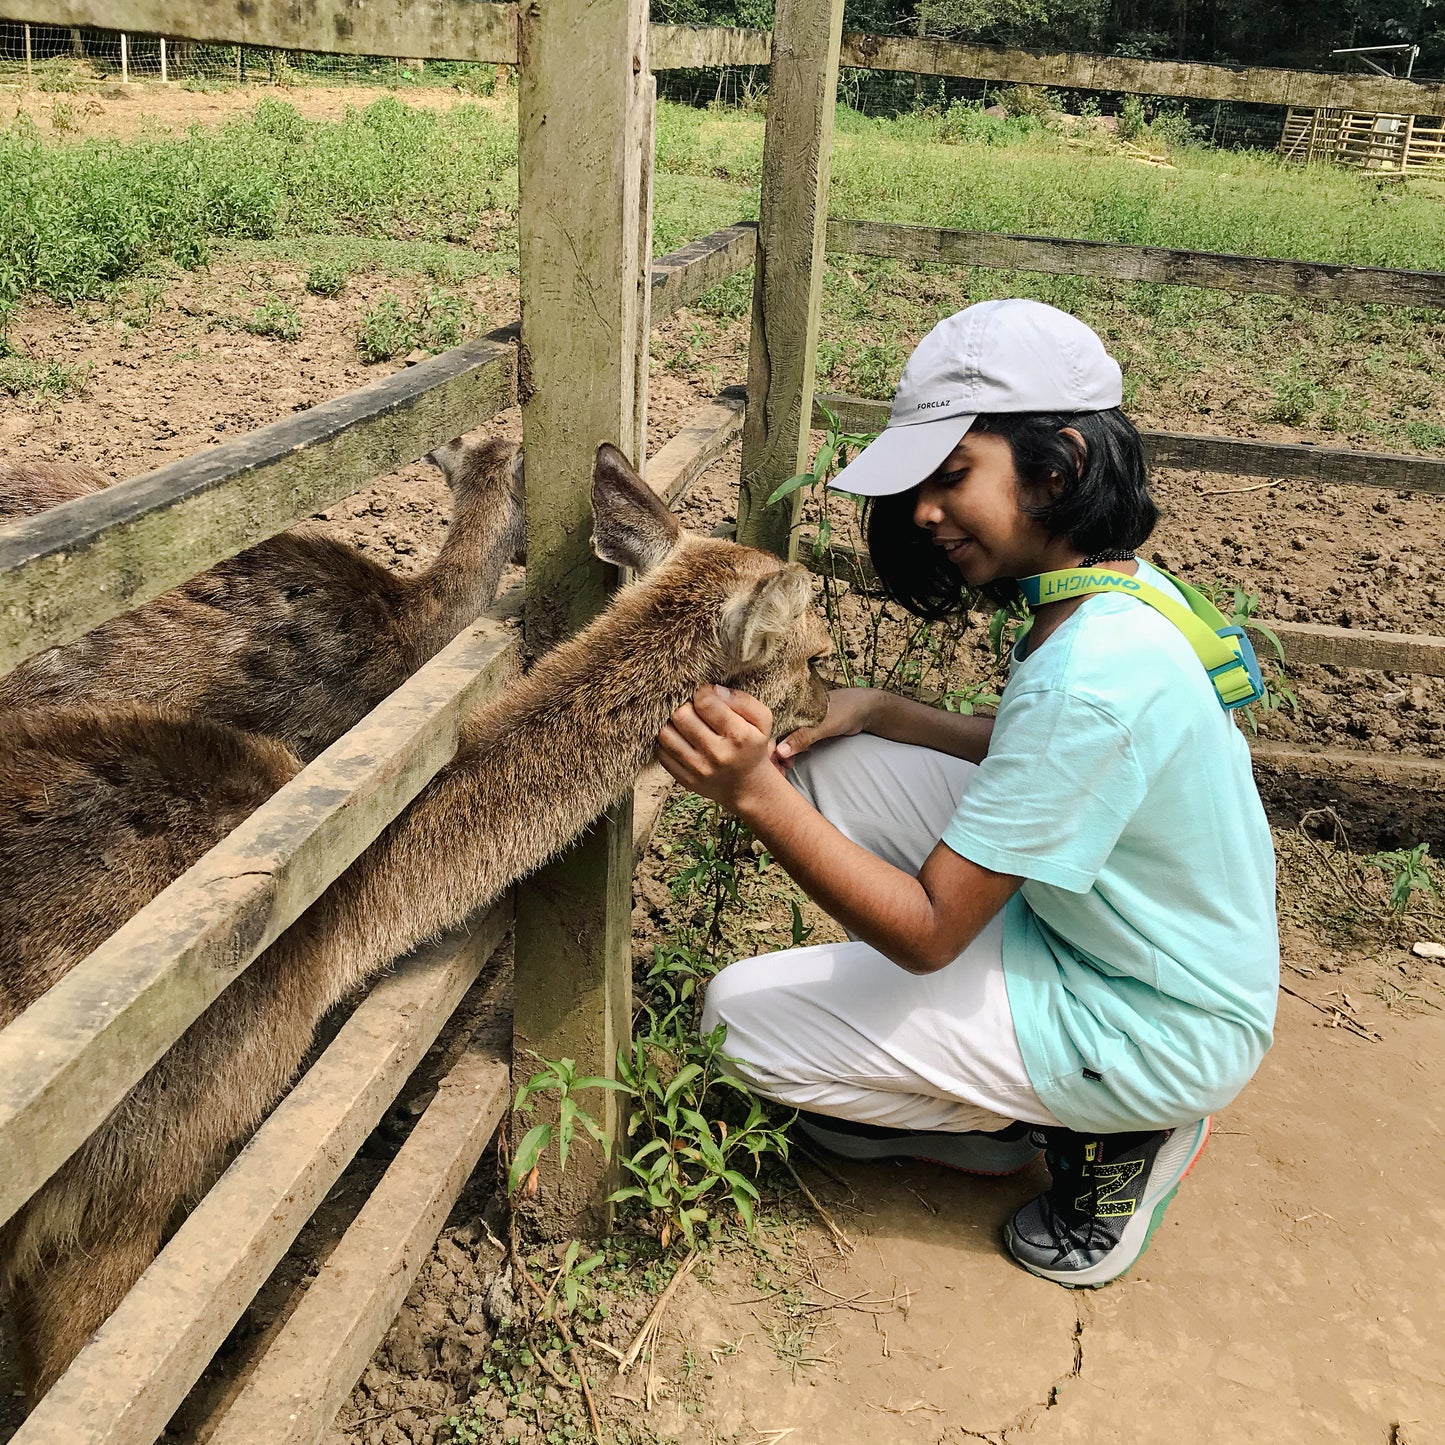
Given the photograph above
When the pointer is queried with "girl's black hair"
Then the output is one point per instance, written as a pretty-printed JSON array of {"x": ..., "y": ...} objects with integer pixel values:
[{"x": 1104, "y": 502}]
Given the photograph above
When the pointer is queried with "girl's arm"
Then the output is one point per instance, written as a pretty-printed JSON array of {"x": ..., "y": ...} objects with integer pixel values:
[
  {"x": 886, "y": 715},
  {"x": 718, "y": 745}
]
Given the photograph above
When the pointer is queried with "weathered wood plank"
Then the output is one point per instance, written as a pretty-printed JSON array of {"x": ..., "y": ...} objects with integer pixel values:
[
  {"x": 126, "y": 1383},
  {"x": 681, "y": 276},
  {"x": 73, "y": 1054},
  {"x": 76, "y": 565},
  {"x": 1191, "y": 80},
  {"x": 436, "y": 29},
  {"x": 689, "y": 47},
  {"x": 1235, "y": 456},
  {"x": 788, "y": 273},
  {"x": 1217, "y": 271},
  {"x": 704, "y": 436},
  {"x": 584, "y": 148},
  {"x": 1304, "y": 643},
  {"x": 1308, "y": 643},
  {"x": 312, "y": 1365},
  {"x": 1349, "y": 765}
]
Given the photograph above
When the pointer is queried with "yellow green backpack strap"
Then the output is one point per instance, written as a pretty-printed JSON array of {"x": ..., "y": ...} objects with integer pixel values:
[{"x": 1226, "y": 653}]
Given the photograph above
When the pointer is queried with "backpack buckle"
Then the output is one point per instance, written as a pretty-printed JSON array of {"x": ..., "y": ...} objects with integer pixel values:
[{"x": 1238, "y": 682}]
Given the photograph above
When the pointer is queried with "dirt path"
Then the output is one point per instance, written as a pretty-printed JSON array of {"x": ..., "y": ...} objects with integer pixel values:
[{"x": 1292, "y": 1295}]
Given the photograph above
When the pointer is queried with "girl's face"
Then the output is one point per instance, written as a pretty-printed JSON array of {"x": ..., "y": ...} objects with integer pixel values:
[{"x": 972, "y": 506}]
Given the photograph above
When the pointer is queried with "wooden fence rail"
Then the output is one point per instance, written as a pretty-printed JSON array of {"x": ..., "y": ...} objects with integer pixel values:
[
  {"x": 1304, "y": 643},
  {"x": 1216, "y": 271},
  {"x": 482, "y": 32},
  {"x": 73, "y": 1055},
  {"x": 130, "y": 1378},
  {"x": 1235, "y": 456}
]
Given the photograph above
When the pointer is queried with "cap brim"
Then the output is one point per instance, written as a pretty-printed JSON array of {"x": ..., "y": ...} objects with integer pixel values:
[{"x": 901, "y": 457}]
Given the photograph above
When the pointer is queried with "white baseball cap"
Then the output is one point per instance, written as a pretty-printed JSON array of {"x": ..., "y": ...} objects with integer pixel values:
[{"x": 997, "y": 356}]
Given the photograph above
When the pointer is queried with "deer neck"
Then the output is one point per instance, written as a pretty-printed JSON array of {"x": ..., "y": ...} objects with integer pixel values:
[
  {"x": 532, "y": 770},
  {"x": 463, "y": 578}
]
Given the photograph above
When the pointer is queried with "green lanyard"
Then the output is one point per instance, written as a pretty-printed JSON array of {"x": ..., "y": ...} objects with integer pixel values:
[{"x": 1225, "y": 652}]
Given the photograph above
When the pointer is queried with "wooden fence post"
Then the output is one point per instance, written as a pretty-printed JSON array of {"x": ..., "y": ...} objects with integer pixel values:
[
  {"x": 124, "y": 60},
  {"x": 788, "y": 274},
  {"x": 584, "y": 156},
  {"x": 165, "y": 71},
  {"x": 29, "y": 60}
]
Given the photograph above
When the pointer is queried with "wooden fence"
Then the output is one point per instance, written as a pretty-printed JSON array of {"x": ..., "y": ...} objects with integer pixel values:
[
  {"x": 588, "y": 307},
  {"x": 66, "y": 1062},
  {"x": 1371, "y": 141},
  {"x": 486, "y": 31}
]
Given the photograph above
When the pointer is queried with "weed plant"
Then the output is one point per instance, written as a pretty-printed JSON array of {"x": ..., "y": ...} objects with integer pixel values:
[
  {"x": 274, "y": 317},
  {"x": 437, "y": 321}
]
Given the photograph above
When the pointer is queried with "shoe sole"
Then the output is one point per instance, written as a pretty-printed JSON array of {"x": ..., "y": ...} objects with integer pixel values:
[
  {"x": 1135, "y": 1237},
  {"x": 992, "y": 1159}
]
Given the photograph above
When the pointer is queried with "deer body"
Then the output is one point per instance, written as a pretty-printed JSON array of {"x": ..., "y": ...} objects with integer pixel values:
[
  {"x": 134, "y": 795},
  {"x": 299, "y": 636}
]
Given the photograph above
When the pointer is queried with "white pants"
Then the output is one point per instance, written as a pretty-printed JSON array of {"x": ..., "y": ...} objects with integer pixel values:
[{"x": 840, "y": 1029}]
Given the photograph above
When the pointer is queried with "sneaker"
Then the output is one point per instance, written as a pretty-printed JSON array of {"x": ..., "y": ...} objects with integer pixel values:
[
  {"x": 1106, "y": 1200},
  {"x": 1005, "y": 1152}
]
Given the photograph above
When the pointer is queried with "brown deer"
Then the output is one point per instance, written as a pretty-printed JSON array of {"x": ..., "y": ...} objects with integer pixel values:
[
  {"x": 101, "y": 808},
  {"x": 299, "y": 636}
]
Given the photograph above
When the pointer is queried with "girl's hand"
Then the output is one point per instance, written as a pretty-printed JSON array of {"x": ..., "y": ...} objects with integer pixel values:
[
  {"x": 720, "y": 745},
  {"x": 851, "y": 710}
]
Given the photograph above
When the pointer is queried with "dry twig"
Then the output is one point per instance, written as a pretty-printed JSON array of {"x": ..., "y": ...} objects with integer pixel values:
[
  {"x": 841, "y": 1241},
  {"x": 648, "y": 1331}
]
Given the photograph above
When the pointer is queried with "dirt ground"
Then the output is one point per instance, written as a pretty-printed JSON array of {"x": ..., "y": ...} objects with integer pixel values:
[{"x": 1294, "y": 1293}]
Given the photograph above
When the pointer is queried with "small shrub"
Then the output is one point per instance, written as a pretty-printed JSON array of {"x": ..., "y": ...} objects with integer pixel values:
[
  {"x": 1035, "y": 100},
  {"x": 327, "y": 278},
  {"x": 1296, "y": 398},
  {"x": 385, "y": 331},
  {"x": 1132, "y": 119},
  {"x": 62, "y": 117},
  {"x": 1173, "y": 128},
  {"x": 438, "y": 321},
  {"x": 274, "y": 318}
]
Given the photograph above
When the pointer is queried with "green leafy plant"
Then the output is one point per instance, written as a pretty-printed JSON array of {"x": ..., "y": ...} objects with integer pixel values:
[
  {"x": 44, "y": 380},
  {"x": 274, "y": 318},
  {"x": 327, "y": 278},
  {"x": 558, "y": 1078},
  {"x": 385, "y": 331},
  {"x": 683, "y": 1153},
  {"x": 1408, "y": 873}
]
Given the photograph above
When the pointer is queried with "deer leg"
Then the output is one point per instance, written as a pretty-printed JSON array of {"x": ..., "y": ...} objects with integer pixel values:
[{"x": 64, "y": 1299}]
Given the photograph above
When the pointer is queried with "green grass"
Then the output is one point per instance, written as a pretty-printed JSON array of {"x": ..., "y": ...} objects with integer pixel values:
[{"x": 409, "y": 192}]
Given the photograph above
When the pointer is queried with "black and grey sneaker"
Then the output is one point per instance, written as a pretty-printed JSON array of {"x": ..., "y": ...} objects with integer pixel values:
[
  {"x": 1005, "y": 1152},
  {"x": 1106, "y": 1200}
]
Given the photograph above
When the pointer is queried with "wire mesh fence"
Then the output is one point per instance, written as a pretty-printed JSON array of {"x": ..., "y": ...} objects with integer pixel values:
[{"x": 64, "y": 58}]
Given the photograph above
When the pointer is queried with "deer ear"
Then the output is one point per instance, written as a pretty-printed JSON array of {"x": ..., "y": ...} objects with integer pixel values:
[
  {"x": 446, "y": 457},
  {"x": 630, "y": 526},
  {"x": 759, "y": 619},
  {"x": 519, "y": 474}
]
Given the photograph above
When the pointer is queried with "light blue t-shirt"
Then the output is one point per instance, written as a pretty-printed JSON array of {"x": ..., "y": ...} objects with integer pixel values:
[{"x": 1141, "y": 954}]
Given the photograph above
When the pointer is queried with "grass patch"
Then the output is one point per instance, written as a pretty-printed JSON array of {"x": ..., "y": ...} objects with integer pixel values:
[
  {"x": 435, "y": 322},
  {"x": 42, "y": 380}
]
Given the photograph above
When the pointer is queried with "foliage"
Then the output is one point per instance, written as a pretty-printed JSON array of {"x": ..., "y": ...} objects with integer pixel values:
[
  {"x": 437, "y": 321},
  {"x": 45, "y": 381},
  {"x": 327, "y": 277},
  {"x": 559, "y": 1079},
  {"x": 1408, "y": 874},
  {"x": 274, "y": 318}
]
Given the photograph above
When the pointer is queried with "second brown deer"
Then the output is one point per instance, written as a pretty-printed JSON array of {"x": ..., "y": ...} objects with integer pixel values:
[
  {"x": 101, "y": 809},
  {"x": 299, "y": 636}
]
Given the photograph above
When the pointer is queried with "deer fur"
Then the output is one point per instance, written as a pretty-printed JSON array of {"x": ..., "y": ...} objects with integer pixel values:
[
  {"x": 299, "y": 636},
  {"x": 101, "y": 808}
]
